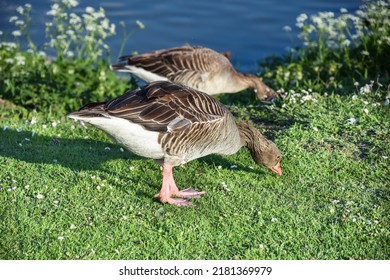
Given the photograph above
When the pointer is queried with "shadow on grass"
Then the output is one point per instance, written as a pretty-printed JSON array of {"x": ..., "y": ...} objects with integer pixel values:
[{"x": 76, "y": 153}]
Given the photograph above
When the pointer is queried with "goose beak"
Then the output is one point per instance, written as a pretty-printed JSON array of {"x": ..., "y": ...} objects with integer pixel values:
[{"x": 277, "y": 169}]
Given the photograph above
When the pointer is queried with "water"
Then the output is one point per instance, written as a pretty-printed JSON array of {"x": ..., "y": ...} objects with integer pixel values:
[{"x": 250, "y": 30}]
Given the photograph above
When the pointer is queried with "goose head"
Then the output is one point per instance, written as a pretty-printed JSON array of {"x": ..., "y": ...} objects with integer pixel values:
[
  {"x": 268, "y": 157},
  {"x": 263, "y": 92},
  {"x": 264, "y": 152}
]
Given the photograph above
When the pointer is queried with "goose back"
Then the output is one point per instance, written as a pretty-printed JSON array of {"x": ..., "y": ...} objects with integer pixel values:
[
  {"x": 197, "y": 67},
  {"x": 188, "y": 124}
]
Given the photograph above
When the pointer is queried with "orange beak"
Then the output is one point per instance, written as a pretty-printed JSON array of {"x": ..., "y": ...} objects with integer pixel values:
[{"x": 277, "y": 169}]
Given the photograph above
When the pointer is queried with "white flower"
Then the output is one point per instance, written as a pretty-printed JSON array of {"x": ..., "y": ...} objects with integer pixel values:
[
  {"x": 89, "y": 10},
  {"x": 70, "y": 32},
  {"x": 40, "y": 196},
  {"x": 365, "y": 53},
  {"x": 274, "y": 220},
  {"x": 343, "y": 10},
  {"x": 112, "y": 28},
  {"x": 287, "y": 28},
  {"x": 107, "y": 148},
  {"x": 70, "y": 54},
  {"x": 302, "y": 17},
  {"x": 74, "y": 19},
  {"x": 351, "y": 121},
  {"x": 9, "y": 60},
  {"x": 16, "y": 33},
  {"x": 72, "y": 226},
  {"x": 346, "y": 42},
  {"x": 13, "y": 18},
  {"x": 20, "y": 10},
  {"x": 366, "y": 111},
  {"x": 61, "y": 237},
  {"x": 20, "y": 60},
  {"x": 140, "y": 25},
  {"x": 233, "y": 166},
  {"x": 224, "y": 185},
  {"x": 99, "y": 14},
  {"x": 366, "y": 89},
  {"x": 71, "y": 3},
  {"x": 315, "y": 128},
  {"x": 51, "y": 13},
  {"x": 27, "y": 6},
  {"x": 121, "y": 149},
  {"x": 19, "y": 22}
]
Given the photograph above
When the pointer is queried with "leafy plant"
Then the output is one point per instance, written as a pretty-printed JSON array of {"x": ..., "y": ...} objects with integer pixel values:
[
  {"x": 336, "y": 51},
  {"x": 73, "y": 67}
]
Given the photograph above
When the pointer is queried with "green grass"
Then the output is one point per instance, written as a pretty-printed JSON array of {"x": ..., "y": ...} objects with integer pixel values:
[
  {"x": 71, "y": 193},
  {"x": 332, "y": 201}
]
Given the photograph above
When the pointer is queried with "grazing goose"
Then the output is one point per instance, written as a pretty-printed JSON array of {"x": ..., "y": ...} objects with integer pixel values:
[
  {"x": 174, "y": 124},
  {"x": 197, "y": 67}
]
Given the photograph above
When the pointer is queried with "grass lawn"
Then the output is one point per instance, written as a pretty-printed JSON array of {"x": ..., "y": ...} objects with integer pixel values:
[{"x": 67, "y": 192}]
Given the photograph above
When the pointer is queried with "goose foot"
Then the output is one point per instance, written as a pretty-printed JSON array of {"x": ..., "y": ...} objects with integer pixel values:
[
  {"x": 170, "y": 194},
  {"x": 190, "y": 193},
  {"x": 178, "y": 201}
]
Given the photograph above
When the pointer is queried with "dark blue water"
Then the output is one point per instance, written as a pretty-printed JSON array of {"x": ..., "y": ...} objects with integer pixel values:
[{"x": 250, "y": 30}]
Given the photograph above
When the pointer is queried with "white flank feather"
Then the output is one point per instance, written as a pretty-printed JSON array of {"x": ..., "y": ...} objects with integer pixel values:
[
  {"x": 133, "y": 137},
  {"x": 141, "y": 73}
]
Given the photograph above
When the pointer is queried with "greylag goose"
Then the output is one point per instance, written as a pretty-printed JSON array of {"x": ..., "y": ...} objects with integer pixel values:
[
  {"x": 174, "y": 124},
  {"x": 197, "y": 67}
]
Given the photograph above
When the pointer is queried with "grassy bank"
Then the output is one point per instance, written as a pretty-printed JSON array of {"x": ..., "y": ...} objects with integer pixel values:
[{"x": 68, "y": 192}]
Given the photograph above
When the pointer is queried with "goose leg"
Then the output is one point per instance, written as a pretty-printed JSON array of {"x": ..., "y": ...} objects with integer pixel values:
[{"x": 169, "y": 189}]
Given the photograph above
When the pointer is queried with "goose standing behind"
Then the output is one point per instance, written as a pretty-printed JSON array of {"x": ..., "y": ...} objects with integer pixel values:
[
  {"x": 174, "y": 124},
  {"x": 197, "y": 67}
]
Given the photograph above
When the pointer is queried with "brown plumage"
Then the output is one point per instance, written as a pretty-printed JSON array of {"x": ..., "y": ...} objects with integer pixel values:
[
  {"x": 197, "y": 67},
  {"x": 174, "y": 124}
]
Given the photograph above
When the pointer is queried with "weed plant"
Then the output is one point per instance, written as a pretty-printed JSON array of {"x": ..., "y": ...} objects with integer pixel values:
[
  {"x": 72, "y": 67},
  {"x": 334, "y": 52}
]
